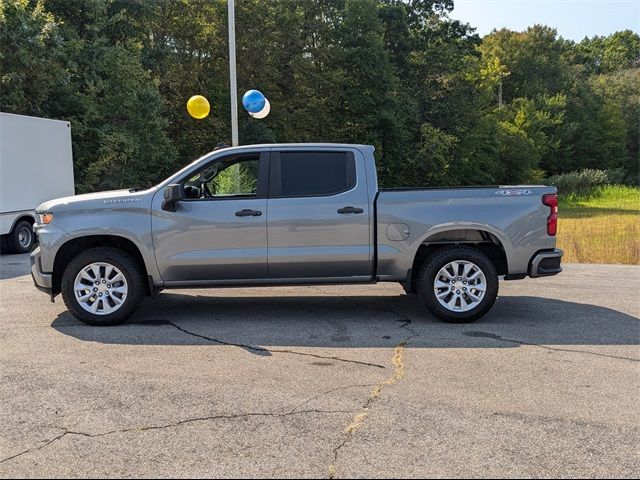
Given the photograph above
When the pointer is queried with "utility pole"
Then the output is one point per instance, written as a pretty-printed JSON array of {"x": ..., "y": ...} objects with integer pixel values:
[{"x": 232, "y": 73}]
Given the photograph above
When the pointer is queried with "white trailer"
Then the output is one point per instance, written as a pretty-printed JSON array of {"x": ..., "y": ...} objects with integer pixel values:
[{"x": 36, "y": 165}]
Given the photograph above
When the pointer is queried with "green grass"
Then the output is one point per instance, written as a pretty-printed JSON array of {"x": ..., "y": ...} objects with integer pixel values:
[
  {"x": 610, "y": 197},
  {"x": 602, "y": 226}
]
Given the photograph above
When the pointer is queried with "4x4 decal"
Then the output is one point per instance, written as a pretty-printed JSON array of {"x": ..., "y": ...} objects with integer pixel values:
[{"x": 511, "y": 193}]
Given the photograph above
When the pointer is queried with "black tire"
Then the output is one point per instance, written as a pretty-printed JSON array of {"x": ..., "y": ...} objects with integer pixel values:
[
  {"x": 124, "y": 262},
  {"x": 21, "y": 237},
  {"x": 4, "y": 243},
  {"x": 431, "y": 266}
]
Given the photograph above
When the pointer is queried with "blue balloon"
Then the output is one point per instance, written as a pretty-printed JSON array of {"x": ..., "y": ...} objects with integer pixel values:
[{"x": 253, "y": 101}]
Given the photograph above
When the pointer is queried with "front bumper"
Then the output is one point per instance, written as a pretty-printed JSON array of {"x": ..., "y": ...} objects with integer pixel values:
[
  {"x": 546, "y": 263},
  {"x": 42, "y": 281}
]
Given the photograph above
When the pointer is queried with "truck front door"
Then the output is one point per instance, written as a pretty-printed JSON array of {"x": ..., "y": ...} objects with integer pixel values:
[
  {"x": 319, "y": 218},
  {"x": 219, "y": 229}
]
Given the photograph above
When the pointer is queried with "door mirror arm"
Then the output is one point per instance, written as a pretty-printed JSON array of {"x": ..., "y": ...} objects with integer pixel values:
[{"x": 171, "y": 195}]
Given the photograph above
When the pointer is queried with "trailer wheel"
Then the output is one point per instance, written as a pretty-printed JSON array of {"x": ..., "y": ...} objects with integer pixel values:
[
  {"x": 458, "y": 284},
  {"x": 21, "y": 238}
]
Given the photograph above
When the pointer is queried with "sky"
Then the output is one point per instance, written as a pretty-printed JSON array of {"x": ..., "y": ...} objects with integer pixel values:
[{"x": 574, "y": 19}]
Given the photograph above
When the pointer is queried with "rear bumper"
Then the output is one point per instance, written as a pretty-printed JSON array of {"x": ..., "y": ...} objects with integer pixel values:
[
  {"x": 42, "y": 281},
  {"x": 546, "y": 263}
]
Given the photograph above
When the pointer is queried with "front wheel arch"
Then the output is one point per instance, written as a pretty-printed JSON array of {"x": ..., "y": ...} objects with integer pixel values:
[{"x": 75, "y": 246}]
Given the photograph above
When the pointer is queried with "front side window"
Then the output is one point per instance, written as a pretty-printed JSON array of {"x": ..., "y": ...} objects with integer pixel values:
[
  {"x": 314, "y": 173},
  {"x": 228, "y": 177}
]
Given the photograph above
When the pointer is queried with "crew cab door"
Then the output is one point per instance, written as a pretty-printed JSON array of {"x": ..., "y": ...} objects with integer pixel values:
[
  {"x": 219, "y": 229},
  {"x": 319, "y": 218}
]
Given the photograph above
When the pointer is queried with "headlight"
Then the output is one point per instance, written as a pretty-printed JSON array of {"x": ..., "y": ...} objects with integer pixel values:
[{"x": 45, "y": 218}]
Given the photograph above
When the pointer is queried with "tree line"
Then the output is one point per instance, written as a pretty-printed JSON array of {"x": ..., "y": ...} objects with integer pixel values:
[{"x": 441, "y": 105}]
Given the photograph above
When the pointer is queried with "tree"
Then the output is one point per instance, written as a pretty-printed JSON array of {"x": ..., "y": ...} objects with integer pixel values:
[
  {"x": 112, "y": 101},
  {"x": 619, "y": 132},
  {"x": 618, "y": 51},
  {"x": 534, "y": 59},
  {"x": 441, "y": 105},
  {"x": 32, "y": 58}
]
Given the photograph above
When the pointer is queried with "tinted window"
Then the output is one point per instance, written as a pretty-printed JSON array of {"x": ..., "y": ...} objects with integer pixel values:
[{"x": 321, "y": 173}]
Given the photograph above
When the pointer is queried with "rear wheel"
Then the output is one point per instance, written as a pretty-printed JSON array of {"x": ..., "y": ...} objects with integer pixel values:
[
  {"x": 103, "y": 286},
  {"x": 458, "y": 284}
]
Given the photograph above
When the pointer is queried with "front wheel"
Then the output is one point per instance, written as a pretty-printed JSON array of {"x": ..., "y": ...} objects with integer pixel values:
[
  {"x": 458, "y": 284},
  {"x": 103, "y": 286}
]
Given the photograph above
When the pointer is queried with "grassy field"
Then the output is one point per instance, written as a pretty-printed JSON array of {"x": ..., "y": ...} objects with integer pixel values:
[{"x": 602, "y": 227}]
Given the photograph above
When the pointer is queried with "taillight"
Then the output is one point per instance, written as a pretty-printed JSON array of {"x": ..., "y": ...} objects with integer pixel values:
[{"x": 551, "y": 201}]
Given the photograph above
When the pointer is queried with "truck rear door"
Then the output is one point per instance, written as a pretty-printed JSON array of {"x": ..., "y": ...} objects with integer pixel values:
[{"x": 319, "y": 215}]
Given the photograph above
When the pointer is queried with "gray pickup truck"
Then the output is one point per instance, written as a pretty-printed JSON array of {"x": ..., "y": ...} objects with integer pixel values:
[{"x": 292, "y": 214}]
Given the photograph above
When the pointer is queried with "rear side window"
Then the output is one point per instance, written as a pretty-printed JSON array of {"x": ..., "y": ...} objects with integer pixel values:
[{"x": 303, "y": 174}]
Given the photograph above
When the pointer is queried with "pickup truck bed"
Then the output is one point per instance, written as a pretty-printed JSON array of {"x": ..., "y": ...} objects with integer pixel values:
[{"x": 513, "y": 218}]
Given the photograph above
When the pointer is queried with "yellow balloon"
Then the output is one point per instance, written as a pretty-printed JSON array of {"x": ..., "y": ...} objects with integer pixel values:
[{"x": 198, "y": 107}]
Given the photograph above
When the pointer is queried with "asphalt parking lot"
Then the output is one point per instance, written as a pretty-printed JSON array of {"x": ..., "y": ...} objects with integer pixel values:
[{"x": 340, "y": 381}]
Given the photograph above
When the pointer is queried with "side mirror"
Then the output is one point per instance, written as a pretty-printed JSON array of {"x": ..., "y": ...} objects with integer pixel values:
[{"x": 171, "y": 195}]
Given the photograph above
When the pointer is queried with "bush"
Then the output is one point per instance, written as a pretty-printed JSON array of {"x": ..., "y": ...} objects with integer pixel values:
[
  {"x": 581, "y": 181},
  {"x": 616, "y": 176},
  {"x": 586, "y": 181}
]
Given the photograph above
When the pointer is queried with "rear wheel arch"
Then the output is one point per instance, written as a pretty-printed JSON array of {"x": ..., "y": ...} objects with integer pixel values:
[
  {"x": 72, "y": 248},
  {"x": 483, "y": 240}
]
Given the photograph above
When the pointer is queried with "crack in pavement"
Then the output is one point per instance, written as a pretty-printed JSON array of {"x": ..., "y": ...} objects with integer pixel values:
[
  {"x": 361, "y": 416},
  {"x": 357, "y": 422},
  {"x": 406, "y": 321},
  {"x": 179, "y": 423},
  {"x": 399, "y": 372},
  {"x": 48, "y": 442},
  {"x": 260, "y": 350},
  {"x": 315, "y": 397},
  {"x": 478, "y": 334}
]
